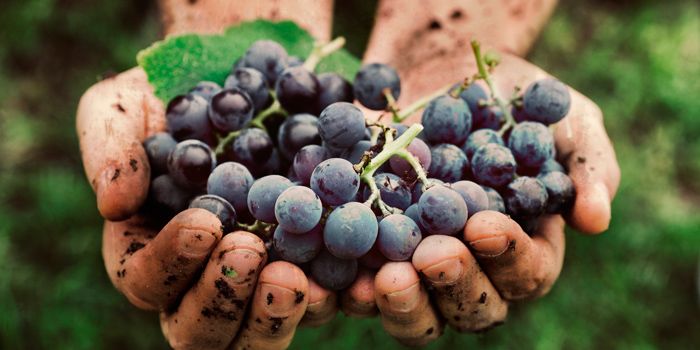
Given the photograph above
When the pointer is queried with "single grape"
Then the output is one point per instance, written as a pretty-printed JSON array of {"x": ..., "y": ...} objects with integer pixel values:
[
  {"x": 447, "y": 120},
  {"x": 273, "y": 165},
  {"x": 190, "y": 164},
  {"x": 263, "y": 195},
  {"x": 392, "y": 190},
  {"x": 296, "y": 132},
  {"x": 370, "y": 83},
  {"x": 551, "y": 165},
  {"x": 253, "y": 82},
  {"x": 531, "y": 144},
  {"x": 496, "y": 202},
  {"x": 420, "y": 151},
  {"x": 474, "y": 196},
  {"x": 525, "y": 197},
  {"x": 341, "y": 125},
  {"x": 473, "y": 95},
  {"x": 398, "y": 237},
  {"x": 206, "y": 89},
  {"x": 333, "y": 88},
  {"x": 298, "y": 248},
  {"x": 219, "y": 207},
  {"x": 333, "y": 273},
  {"x": 546, "y": 101},
  {"x": 297, "y": 90},
  {"x": 306, "y": 160},
  {"x": 493, "y": 165},
  {"x": 448, "y": 163},
  {"x": 252, "y": 147},
  {"x": 355, "y": 153},
  {"x": 418, "y": 188},
  {"x": 230, "y": 110},
  {"x": 479, "y": 138},
  {"x": 335, "y": 181},
  {"x": 166, "y": 195},
  {"x": 490, "y": 117},
  {"x": 298, "y": 209},
  {"x": 442, "y": 211},
  {"x": 350, "y": 230},
  {"x": 560, "y": 191},
  {"x": 267, "y": 56},
  {"x": 414, "y": 213},
  {"x": 332, "y": 151},
  {"x": 519, "y": 114},
  {"x": 187, "y": 118},
  {"x": 231, "y": 181},
  {"x": 158, "y": 148}
]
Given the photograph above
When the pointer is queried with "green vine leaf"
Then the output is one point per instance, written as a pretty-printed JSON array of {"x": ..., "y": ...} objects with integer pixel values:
[{"x": 176, "y": 64}]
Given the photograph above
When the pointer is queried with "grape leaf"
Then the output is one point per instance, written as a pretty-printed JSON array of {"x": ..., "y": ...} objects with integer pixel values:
[{"x": 176, "y": 64}]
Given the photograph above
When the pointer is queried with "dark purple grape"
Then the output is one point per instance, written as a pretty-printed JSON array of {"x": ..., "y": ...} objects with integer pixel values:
[
  {"x": 218, "y": 206},
  {"x": 418, "y": 188},
  {"x": 546, "y": 101},
  {"x": 474, "y": 196},
  {"x": 190, "y": 164},
  {"x": 448, "y": 163},
  {"x": 490, "y": 117},
  {"x": 473, "y": 95},
  {"x": 531, "y": 144},
  {"x": 447, "y": 120},
  {"x": 306, "y": 160},
  {"x": 350, "y": 230},
  {"x": 298, "y": 209},
  {"x": 206, "y": 89},
  {"x": 296, "y": 132},
  {"x": 252, "y": 148},
  {"x": 493, "y": 165},
  {"x": 187, "y": 118},
  {"x": 370, "y": 83},
  {"x": 374, "y": 259},
  {"x": 253, "y": 83},
  {"x": 398, "y": 237},
  {"x": 525, "y": 197},
  {"x": 354, "y": 153},
  {"x": 442, "y": 211},
  {"x": 267, "y": 56},
  {"x": 392, "y": 190},
  {"x": 420, "y": 151},
  {"x": 335, "y": 181},
  {"x": 496, "y": 202},
  {"x": 333, "y": 273},
  {"x": 165, "y": 195},
  {"x": 263, "y": 195},
  {"x": 560, "y": 191},
  {"x": 230, "y": 110},
  {"x": 333, "y": 88},
  {"x": 341, "y": 125},
  {"x": 479, "y": 138},
  {"x": 231, "y": 181},
  {"x": 297, "y": 90},
  {"x": 413, "y": 213},
  {"x": 158, "y": 148},
  {"x": 298, "y": 248},
  {"x": 551, "y": 165}
]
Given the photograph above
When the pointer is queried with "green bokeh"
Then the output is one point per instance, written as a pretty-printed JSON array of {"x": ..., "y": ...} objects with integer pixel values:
[{"x": 634, "y": 287}]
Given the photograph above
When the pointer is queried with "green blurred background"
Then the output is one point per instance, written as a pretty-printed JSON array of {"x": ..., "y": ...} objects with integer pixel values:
[{"x": 633, "y": 287}]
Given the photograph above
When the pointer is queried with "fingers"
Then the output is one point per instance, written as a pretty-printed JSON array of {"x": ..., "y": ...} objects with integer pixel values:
[
  {"x": 359, "y": 299},
  {"x": 462, "y": 292},
  {"x": 517, "y": 265},
  {"x": 278, "y": 305},
  {"x": 404, "y": 306},
  {"x": 322, "y": 307},
  {"x": 152, "y": 275},
  {"x": 211, "y": 312},
  {"x": 584, "y": 145},
  {"x": 113, "y": 118}
]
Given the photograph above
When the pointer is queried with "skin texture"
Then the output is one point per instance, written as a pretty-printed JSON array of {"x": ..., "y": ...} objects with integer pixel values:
[{"x": 499, "y": 260}]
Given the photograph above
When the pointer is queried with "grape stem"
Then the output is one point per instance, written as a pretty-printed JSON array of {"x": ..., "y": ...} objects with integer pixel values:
[
  {"x": 225, "y": 141},
  {"x": 259, "y": 228},
  {"x": 415, "y": 164},
  {"x": 320, "y": 51},
  {"x": 484, "y": 74},
  {"x": 391, "y": 104},
  {"x": 391, "y": 148},
  {"x": 419, "y": 104}
]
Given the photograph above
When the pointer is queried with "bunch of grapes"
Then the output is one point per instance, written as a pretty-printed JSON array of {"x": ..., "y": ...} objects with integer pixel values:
[{"x": 283, "y": 152}]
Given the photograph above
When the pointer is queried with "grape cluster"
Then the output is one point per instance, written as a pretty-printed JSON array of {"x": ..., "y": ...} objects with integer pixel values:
[{"x": 283, "y": 152}]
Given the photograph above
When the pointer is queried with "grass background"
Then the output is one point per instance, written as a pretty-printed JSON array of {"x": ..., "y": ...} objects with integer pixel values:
[{"x": 634, "y": 287}]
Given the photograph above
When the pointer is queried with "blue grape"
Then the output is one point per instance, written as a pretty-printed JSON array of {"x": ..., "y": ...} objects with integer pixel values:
[
  {"x": 190, "y": 164},
  {"x": 350, "y": 230},
  {"x": 298, "y": 248},
  {"x": 158, "y": 147},
  {"x": 187, "y": 118},
  {"x": 525, "y": 197},
  {"x": 253, "y": 83},
  {"x": 551, "y": 165},
  {"x": 166, "y": 196},
  {"x": 355, "y": 153},
  {"x": 560, "y": 191},
  {"x": 472, "y": 95},
  {"x": 474, "y": 196},
  {"x": 479, "y": 138},
  {"x": 493, "y": 165},
  {"x": 398, "y": 237},
  {"x": 418, "y": 189},
  {"x": 273, "y": 165},
  {"x": 414, "y": 213},
  {"x": 231, "y": 181},
  {"x": 400, "y": 128},
  {"x": 420, "y": 151},
  {"x": 546, "y": 101},
  {"x": 230, "y": 110},
  {"x": 448, "y": 163},
  {"x": 447, "y": 120},
  {"x": 333, "y": 88},
  {"x": 490, "y": 117},
  {"x": 297, "y": 90},
  {"x": 219, "y": 207},
  {"x": 298, "y": 209},
  {"x": 496, "y": 202},
  {"x": 531, "y": 144},
  {"x": 267, "y": 56},
  {"x": 341, "y": 125},
  {"x": 370, "y": 83},
  {"x": 392, "y": 190},
  {"x": 296, "y": 132},
  {"x": 206, "y": 89},
  {"x": 333, "y": 273},
  {"x": 306, "y": 160},
  {"x": 335, "y": 181},
  {"x": 442, "y": 211},
  {"x": 252, "y": 148},
  {"x": 263, "y": 195}
]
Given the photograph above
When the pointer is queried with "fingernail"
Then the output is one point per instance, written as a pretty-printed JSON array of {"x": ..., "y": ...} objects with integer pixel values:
[
  {"x": 195, "y": 242},
  {"x": 490, "y": 247},
  {"x": 279, "y": 301},
  {"x": 404, "y": 300},
  {"x": 447, "y": 271},
  {"x": 240, "y": 265}
]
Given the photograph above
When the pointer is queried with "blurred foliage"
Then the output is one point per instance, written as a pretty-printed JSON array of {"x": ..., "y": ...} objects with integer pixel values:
[{"x": 634, "y": 287}]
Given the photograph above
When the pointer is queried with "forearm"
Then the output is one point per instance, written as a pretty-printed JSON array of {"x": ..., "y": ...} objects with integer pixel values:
[{"x": 213, "y": 16}]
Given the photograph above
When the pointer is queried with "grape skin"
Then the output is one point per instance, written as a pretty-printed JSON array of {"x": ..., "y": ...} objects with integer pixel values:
[
  {"x": 418, "y": 188},
  {"x": 298, "y": 209},
  {"x": 306, "y": 160},
  {"x": 333, "y": 273},
  {"x": 253, "y": 82},
  {"x": 474, "y": 196},
  {"x": 493, "y": 165},
  {"x": 341, "y": 125},
  {"x": 525, "y": 197},
  {"x": 447, "y": 120},
  {"x": 206, "y": 89},
  {"x": 166, "y": 195},
  {"x": 298, "y": 248},
  {"x": 392, "y": 190},
  {"x": 350, "y": 230},
  {"x": 230, "y": 110},
  {"x": 190, "y": 164},
  {"x": 448, "y": 163},
  {"x": 398, "y": 237},
  {"x": 187, "y": 117},
  {"x": 370, "y": 82},
  {"x": 231, "y": 181},
  {"x": 546, "y": 101},
  {"x": 252, "y": 147},
  {"x": 442, "y": 211},
  {"x": 479, "y": 138},
  {"x": 296, "y": 132},
  {"x": 420, "y": 151},
  {"x": 268, "y": 57},
  {"x": 560, "y": 191},
  {"x": 297, "y": 90},
  {"x": 333, "y": 88},
  {"x": 413, "y": 213},
  {"x": 219, "y": 207},
  {"x": 335, "y": 181},
  {"x": 531, "y": 144},
  {"x": 158, "y": 147},
  {"x": 496, "y": 202},
  {"x": 263, "y": 195},
  {"x": 354, "y": 154}
]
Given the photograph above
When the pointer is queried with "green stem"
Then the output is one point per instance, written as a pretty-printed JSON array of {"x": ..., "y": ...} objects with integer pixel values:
[
  {"x": 415, "y": 164},
  {"x": 421, "y": 103},
  {"x": 391, "y": 104},
  {"x": 225, "y": 141},
  {"x": 484, "y": 74},
  {"x": 320, "y": 51},
  {"x": 275, "y": 108}
]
